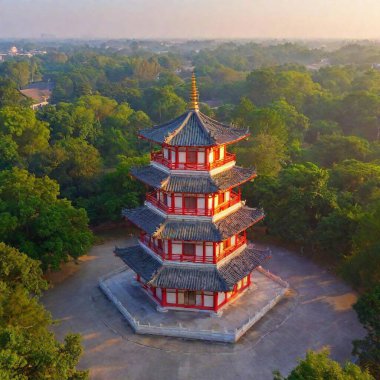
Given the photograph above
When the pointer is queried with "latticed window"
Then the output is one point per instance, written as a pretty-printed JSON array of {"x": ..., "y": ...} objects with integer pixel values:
[
  {"x": 192, "y": 156},
  {"x": 190, "y": 202},
  {"x": 189, "y": 249},
  {"x": 190, "y": 297}
]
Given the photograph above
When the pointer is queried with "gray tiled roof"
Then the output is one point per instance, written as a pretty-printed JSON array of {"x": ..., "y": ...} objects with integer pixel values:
[
  {"x": 139, "y": 261},
  {"x": 192, "y": 277},
  {"x": 150, "y": 175},
  {"x": 193, "y": 129},
  {"x": 158, "y": 179},
  {"x": 144, "y": 218},
  {"x": 196, "y": 230}
]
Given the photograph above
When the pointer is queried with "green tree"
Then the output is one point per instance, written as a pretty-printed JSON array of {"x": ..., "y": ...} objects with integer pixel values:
[
  {"x": 9, "y": 95},
  {"x": 163, "y": 104},
  {"x": 118, "y": 190},
  {"x": 305, "y": 199},
  {"x": 318, "y": 365},
  {"x": 336, "y": 79},
  {"x": 361, "y": 180},
  {"x": 335, "y": 230},
  {"x": 18, "y": 72},
  {"x": 33, "y": 219},
  {"x": 321, "y": 128},
  {"x": 359, "y": 113},
  {"x": 329, "y": 150},
  {"x": 22, "y": 134},
  {"x": 362, "y": 267},
  {"x": 296, "y": 123},
  {"x": 368, "y": 349},
  {"x": 28, "y": 349},
  {"x": 266, "y": 153},
  {"x": 75, "y": 164}
]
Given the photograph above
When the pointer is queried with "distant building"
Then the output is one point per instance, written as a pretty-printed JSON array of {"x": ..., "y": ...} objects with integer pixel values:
[
  {"x": 13, "y": 50},
  {"x": 39, "y": 92}
]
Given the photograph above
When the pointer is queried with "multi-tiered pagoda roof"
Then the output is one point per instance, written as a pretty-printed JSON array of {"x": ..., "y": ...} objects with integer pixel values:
[
  {"x": 193, "y": 252},
  {"x": 193, "y": 183},
  {"x": 162, "y": 227},
  {"x": 193, "y": 128}
]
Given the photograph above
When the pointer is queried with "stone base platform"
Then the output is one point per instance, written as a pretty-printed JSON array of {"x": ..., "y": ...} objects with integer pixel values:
[{"x": 141, "y": 312}]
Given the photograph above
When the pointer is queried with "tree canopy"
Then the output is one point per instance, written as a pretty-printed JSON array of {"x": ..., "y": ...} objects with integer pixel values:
[
  {"x": 35, "y": 220},
  {"x": 28, "y": 349}
]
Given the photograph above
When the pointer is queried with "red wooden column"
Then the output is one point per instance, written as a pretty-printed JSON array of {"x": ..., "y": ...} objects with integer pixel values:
[
  {"x": 164, "y": 302},
  {"x": 176, "y": 157},
  {"x": 170, "y": 249},
  {"x": 173, "y": 202},
  {"x": 216, "y": 306}
]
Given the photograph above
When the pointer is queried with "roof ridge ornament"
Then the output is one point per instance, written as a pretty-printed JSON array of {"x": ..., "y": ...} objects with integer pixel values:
[{"x": 194, "y": 95}]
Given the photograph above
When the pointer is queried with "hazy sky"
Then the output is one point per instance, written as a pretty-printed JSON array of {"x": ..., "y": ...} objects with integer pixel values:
[{"x": 191, "y": 18}]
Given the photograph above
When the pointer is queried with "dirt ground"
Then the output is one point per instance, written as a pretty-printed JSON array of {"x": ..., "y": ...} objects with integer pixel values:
[{"x": 317, "y": 313}]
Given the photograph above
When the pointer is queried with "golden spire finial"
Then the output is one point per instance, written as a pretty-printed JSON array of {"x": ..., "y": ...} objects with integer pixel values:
[{"x": 194, "y": 93}]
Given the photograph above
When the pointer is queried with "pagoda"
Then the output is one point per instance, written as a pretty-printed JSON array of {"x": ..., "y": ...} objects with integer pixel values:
[{"x": 193, "y": 252}]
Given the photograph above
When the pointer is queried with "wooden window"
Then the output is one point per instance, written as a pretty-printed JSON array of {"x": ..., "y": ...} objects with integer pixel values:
[
  {"x": 189, "y": 249},
  {"x": 190, "y": 297},
  {"x": 221, "y": 198},
  {"x": 190, "y": 202},
  {"x": 165, "y": 200},
  {"x": 192, "y": 156}
]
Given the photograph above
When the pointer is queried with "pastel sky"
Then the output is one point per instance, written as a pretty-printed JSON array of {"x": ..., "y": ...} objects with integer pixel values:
[{"x": 191, "y": 18}]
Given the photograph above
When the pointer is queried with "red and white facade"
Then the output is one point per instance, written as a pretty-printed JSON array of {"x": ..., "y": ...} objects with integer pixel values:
[{"x": 195, "y": 255}]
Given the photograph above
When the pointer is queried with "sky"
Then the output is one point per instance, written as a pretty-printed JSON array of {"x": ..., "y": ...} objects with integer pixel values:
[{"x": 305, "y": 19}]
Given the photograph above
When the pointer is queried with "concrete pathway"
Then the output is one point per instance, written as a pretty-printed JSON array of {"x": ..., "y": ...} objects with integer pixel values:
[{"x": 317, "y": 314}]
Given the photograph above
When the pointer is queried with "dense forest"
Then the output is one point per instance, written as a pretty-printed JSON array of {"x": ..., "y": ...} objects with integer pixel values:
[{"x": 314, "y": 119}]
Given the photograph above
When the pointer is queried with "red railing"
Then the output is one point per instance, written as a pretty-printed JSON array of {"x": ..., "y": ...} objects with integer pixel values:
[
  {"x": 159, "y": 157},
  {"x": 234, "y": 198},
  {"x": 149, "y": 243},
  {"x": 240, "y": 240},
  {"x": 175, "y": 257},
  {"x": 190, "y": 259},
  {"x": 152, "y": 198}
]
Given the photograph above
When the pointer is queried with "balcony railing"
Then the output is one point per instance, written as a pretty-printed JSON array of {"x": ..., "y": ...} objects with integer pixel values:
[
  {"x": 154, "y": 247},
  {"x": 159, "y": 157},
  {"x": 240, "y": 240},
  {"x": 175, "y": 257},
  {"x": 152, "y": 198},
  {"x": 234, "y": 198}
]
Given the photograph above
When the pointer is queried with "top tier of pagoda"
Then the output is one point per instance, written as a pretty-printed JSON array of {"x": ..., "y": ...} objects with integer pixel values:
[
  {"x": 193, "y": 174},
  {"x": 193, "y": 141}
]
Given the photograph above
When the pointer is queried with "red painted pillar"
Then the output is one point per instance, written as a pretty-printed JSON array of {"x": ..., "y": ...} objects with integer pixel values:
[
  {"x": 216, "y": 301},
  {"x": 170, "y": 252},
  {"x": 176, "y": 157},
  {"x": 173, "y": 202}
]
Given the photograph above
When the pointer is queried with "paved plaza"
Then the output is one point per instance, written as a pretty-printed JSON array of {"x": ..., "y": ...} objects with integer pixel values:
[
  {"x": 229, "y": 326},
  {"x": 316, "y": 313}
]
